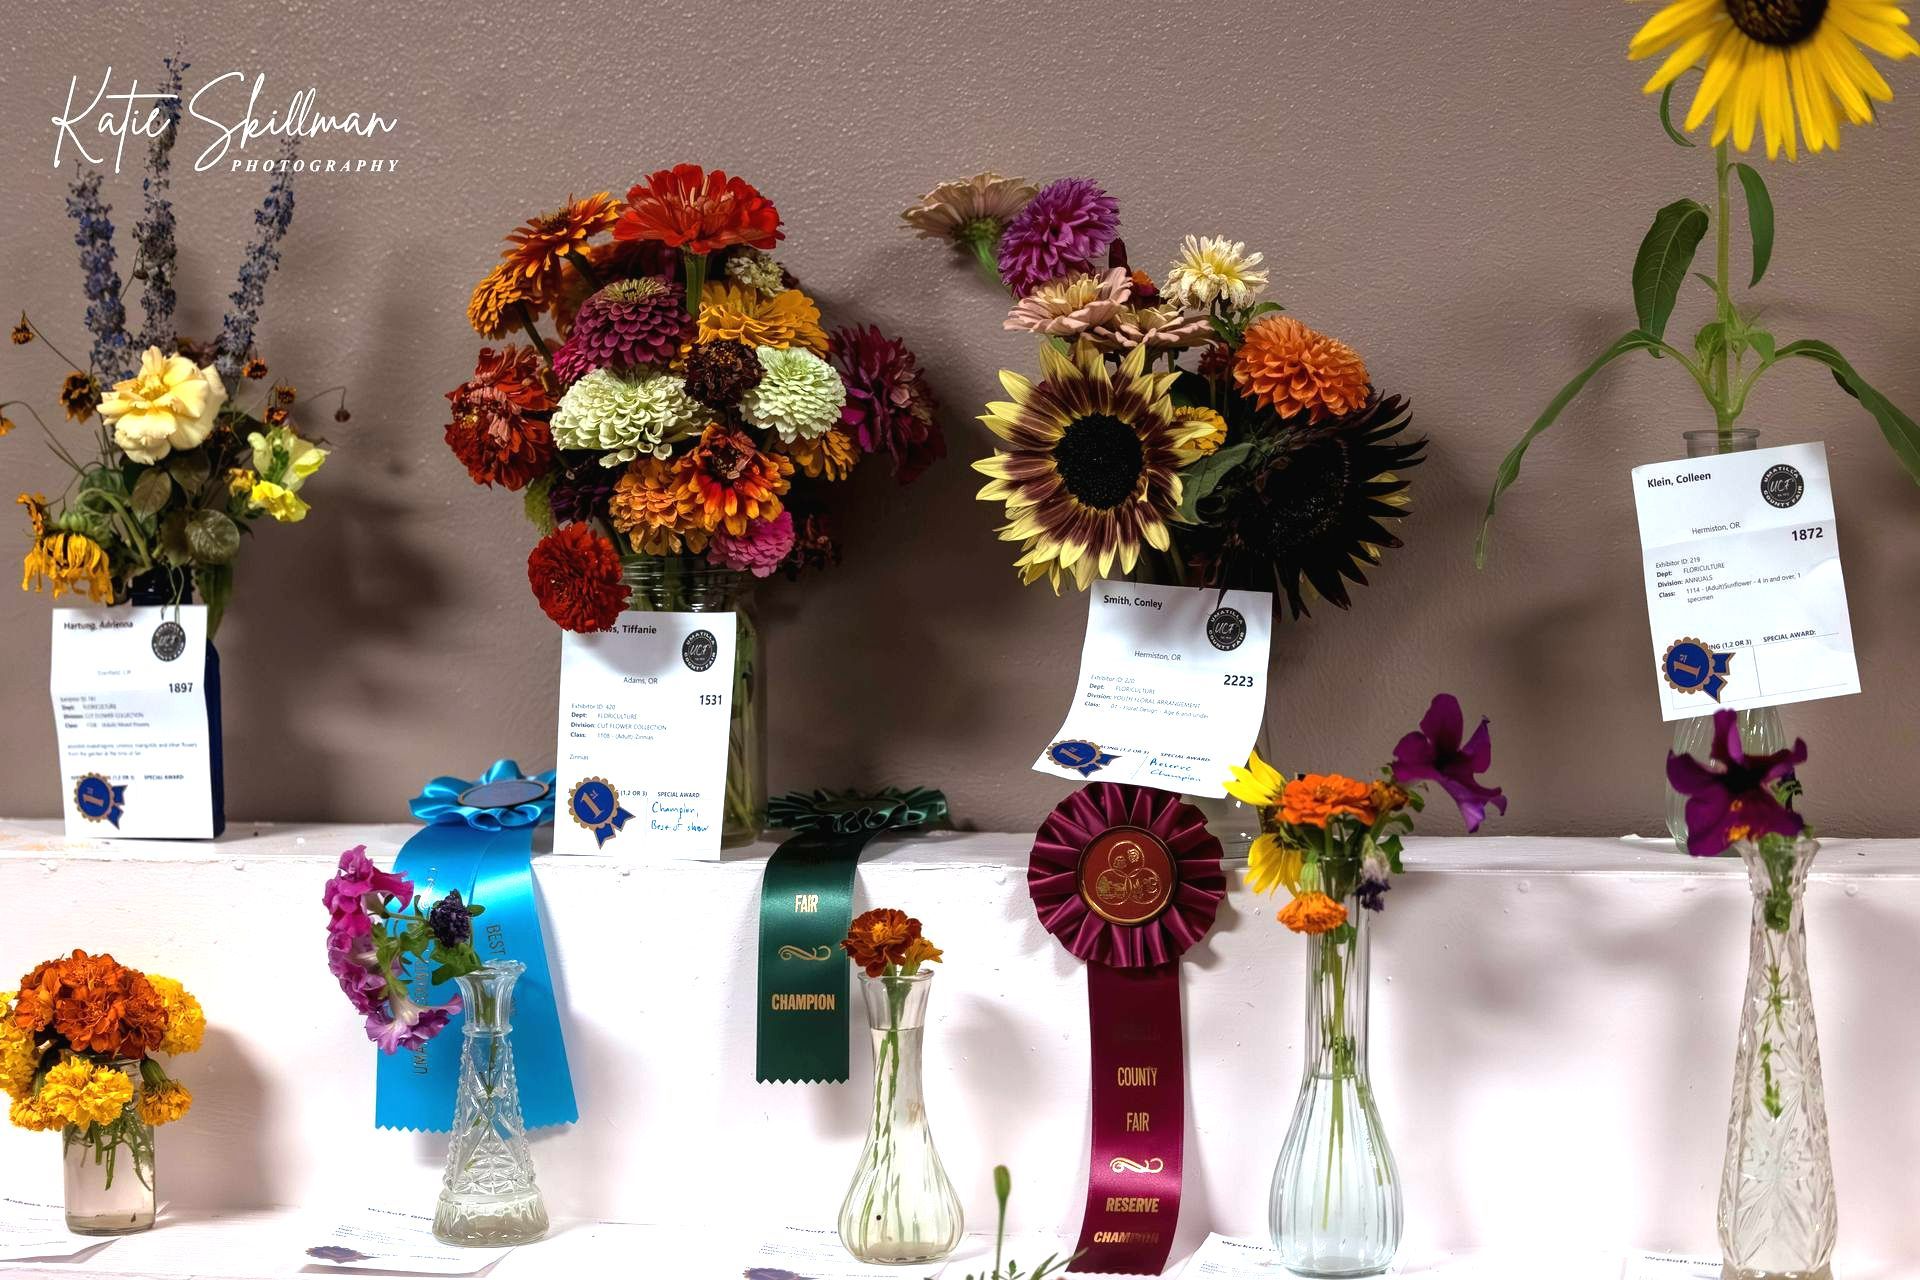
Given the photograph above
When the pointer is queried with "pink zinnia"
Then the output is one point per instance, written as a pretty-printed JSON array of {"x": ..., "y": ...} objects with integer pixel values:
[
  {"x": 1063, "y": 230},
  {"x": 630, "y": 322},
  {"x": 759, "y": 551}
]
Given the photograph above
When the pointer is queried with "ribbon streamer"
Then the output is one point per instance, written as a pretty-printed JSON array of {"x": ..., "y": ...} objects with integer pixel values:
[
  {"x": 479, "y": 841},
  {"x": 806, "y": 907}
]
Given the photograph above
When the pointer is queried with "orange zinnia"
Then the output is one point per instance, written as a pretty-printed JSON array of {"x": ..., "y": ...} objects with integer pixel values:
[
  {"x": 787, "y": 319},
  {"x": 879, "y": 938},
  {"x": 686, "y": 207},
  {"x": 1285, "y": 366},
  {"x": 496, "y": 301},
  {"x": 732, "y": 483},
  {"x": 1313, "y": 912},
  {"x": 1312, "y": 800},
  {"x": 538, "y": 247}
]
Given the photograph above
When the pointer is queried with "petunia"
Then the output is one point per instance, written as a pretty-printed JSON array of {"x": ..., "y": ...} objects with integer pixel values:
[
  {"x": 1735, "y": 801},
  {"x": 1433, "y": 753},
  {"x": 410, "y": 1025}
]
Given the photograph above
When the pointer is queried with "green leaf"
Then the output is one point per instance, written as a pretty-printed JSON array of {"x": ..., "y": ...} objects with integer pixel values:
[
  {"x": 1225, "y": 330},
  {"x": 1663, "y": 260},
  {"x": 1259, "y": 309},
  {"x": 1762, "y": 341},
  {"x": 1200, "y": 479},
  {"x": 1707, "y": 280},
  {"x": 213, "y": 537},
  {"x": 1711, "y": 336},
  {"x": 174, "y": 548},
  {"x": 1666, "y": 116},
  {"x": 1900, "y": 430},
  {"x": 535, "y": 504},
  {"x": 191, "y": 468},
  {"x": 215, "y": 582},
  {"x": 151, "y": 492},
  {"x": 1190, "y": 390},
  {"x": 1509, "y": 470},
  {"x": 1759, "y": 219}
]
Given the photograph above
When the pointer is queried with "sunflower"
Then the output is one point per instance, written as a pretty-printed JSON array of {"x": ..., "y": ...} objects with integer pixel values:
[
  {"x": 1763, "y": 60},
  {"x": 63, "y": 560},
  {"x": 537, "y": 248},
  {"x": 1303, "y": 514},
  {"x": 1093, "y": 468}
]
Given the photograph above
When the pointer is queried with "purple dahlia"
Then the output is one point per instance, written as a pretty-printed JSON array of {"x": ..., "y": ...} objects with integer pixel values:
[
  {"x": 889, "y": 404},
  {"x": 630, "y": 322},
  {"x": 1063, "y": 230}
]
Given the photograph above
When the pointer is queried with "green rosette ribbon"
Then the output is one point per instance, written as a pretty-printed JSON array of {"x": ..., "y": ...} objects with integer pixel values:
[{"x": 806, "y": 907}]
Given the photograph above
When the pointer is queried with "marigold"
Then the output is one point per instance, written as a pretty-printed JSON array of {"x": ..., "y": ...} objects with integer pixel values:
[
  {"x": 23, "y": 332},
  {"x": 686, "y": 207},
  {"x": 497, "y": 301},
  {"x": 657, "y": 510},
  {"x": 1313, "y": 912},
  {"x": 79, "y": 1092},
  {"x": 879, "y": 938},
  {"x": 165, "y": 1104},
  {"x": 1289, "y": 368},
  {"x": 28, "y": 1113},
  {"x": 787, "y": 319},
  {"x": 254, "y": 369},
  {"x": 19, "y": 1057},
  {"x": 920, "y": 951},
  {"x": 1315, "y": 799},
  {"x": 101, "y": 1006},
  {"x": 732, "y": 481},
  {"x": 831, "y": 455},
  {"x": 575, "y": 575},
  {"x": 538, "y": 247},
  {"x": 186, "y": 1020}
]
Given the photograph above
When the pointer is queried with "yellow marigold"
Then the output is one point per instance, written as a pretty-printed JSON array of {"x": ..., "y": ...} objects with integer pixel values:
[
  {"x": 17, "y": 1056},
  {"x": 1195, "y": 415},
  {"x": 495, "y": 305},
  {"x": 67, "y": 562},
  {"x": 1289, "y": 368},
  {"x": 919, "y": 952},
  {"x": 165, "y": 1104},
  {"x": 1313, "y": 912},
  {"x": 831, "y": 454},
  {"x": 655, "y": 507},
  {"x": 786, "y": 319},
  {"x": 186, "y": 1021},
  {"x": 28, "y": 1113},
  {"x": 81, "y": 1093},
  {"x": 1271, "y": 863}
]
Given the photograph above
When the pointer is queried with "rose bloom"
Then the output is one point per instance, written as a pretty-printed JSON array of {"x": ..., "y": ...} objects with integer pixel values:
[
  {"x": 1313, "y": 800},
  {"x": 170, "y": 404}
]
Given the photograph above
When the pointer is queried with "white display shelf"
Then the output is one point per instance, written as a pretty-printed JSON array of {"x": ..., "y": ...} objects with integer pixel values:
[{"x": 1553, "y": 1045}]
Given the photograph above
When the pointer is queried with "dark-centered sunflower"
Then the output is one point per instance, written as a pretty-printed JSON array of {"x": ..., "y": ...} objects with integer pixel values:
[
  {"x": 1302, "y": 515},
  {"x": 1092, "y": 468}
]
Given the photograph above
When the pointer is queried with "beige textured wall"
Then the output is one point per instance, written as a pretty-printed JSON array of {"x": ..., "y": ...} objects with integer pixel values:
[{"x": 1456, "y": 188}]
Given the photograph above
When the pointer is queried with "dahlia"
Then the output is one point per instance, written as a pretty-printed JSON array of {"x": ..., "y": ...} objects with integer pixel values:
[
  {"x": 719, "y": 372},
  {"x": 655, "y": 508},
  {"x": 496, "y": 431},
  {"x": 1285, "y": 366},
  {"x": 623, "y": 418},
  {"x": 759, "y": 551},
  {"x": 575, "y": 575},
  {"x": 799, "y": 395},
  {"x": 731, "y": 481},
  {"x": 628, "y": 323},
  {"x": 1068, "y": 308},
  {"x": 1062, "y": 230},
  {"x": 686, "y": 207},
  {"x": 581, "y": 489},
  {"x": 538, "y": 247},
  {"x": 889, "y": 404},
  {"x": 787, "y": 319},
  {"x": 1211, "y": 269}
]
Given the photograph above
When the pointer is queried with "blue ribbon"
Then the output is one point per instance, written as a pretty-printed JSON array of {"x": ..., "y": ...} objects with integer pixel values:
[{"x": 484, "y": 851}]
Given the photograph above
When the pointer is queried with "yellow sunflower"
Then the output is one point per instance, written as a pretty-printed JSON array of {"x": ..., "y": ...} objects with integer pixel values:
[{"x": 1765, "y": 60}]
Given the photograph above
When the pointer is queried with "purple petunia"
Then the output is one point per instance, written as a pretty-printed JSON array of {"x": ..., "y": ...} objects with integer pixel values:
[
  {"x": 1062, "y": 230},
  {"x": 356, "y": 891},
  {"x": 1735, "y": 801},
  {"x": 1433, "y": 753}
]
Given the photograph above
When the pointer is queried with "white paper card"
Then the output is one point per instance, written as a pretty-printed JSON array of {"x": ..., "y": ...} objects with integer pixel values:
[
  {"x": 1227, "y": 1258},
  {"x": 643, "y": 731},
  {"x": 1173, "y": 685},
  {"x": 1669, "y": 1266},
  {"x": 130, "y": 715},
  {"x": 401, "y": 1243},
  {"x": 815, "y": 1254},
  {"x": 1744, "y": 593},
  {"x": 32, "y": 1230}
]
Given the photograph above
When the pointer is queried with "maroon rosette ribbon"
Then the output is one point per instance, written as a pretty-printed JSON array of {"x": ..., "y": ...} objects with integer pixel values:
[{"x": 1127, "y": 878}]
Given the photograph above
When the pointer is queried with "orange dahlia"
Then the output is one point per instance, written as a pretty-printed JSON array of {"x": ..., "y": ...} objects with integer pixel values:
[
  {"x": 539, "y": 247},
  {"x": 1315, "y": 799},
  {"x": 787, "y": 319},
  {"x": 686, "y": 207},
  {"x": 732, "y": 482},
  {"x": 1289, "y": 368},
  {"x": 496, "y": 302},
  {"x": 655, "y": 507}
]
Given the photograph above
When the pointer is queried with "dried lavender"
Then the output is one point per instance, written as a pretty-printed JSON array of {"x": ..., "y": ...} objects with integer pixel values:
[
  {"x": 106, "y": 317},
  {"x": 153, "y": 234},
  {"x": 272, "y": 218}
]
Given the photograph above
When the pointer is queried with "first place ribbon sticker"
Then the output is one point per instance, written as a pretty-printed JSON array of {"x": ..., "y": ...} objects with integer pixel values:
[
  {"x": 1083, "y": 757},
  {"x": 1691, "y": 666},
  {"x": 99, "y": 800},
  {"x": 1127, "y": 878},
  {"x": 595, "y": 805}
]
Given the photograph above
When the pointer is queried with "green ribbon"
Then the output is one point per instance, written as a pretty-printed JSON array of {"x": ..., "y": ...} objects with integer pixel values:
[{"x": 806, "y": 908}]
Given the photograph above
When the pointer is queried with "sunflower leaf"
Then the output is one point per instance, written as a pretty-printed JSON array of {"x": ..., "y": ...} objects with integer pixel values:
[
  {"x": 1666, "y": 117},
  {"x": 1509, "y": 470},
  {"x": 1759, "y": 219},
  {"x": 1762, "y": 341},
  {"x": 1663, "y": 260},
  {"x": 1711, "y": 337},
  {"x": 1202, "y": 477},
  {"x": 1902, "y": 433}
]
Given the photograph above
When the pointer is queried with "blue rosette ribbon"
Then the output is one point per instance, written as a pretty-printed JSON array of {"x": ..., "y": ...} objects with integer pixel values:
[{"x": 479, "y": 841}]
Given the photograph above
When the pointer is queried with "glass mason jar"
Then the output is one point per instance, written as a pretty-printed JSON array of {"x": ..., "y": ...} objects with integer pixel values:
[
  {"x": 1778, "y": 1217},
  {"x": 901, "y": 1207},
  {"x": 488, "y": 1197},
  {"x": 684, "y": 584},
  {"x": 109, "y": 1169},
  {"x": 1335, "y": 1208},
  {"x": 1761, "y": 730}
]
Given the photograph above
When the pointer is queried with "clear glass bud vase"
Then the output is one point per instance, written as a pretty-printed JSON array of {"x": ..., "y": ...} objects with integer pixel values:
[
  {"x": 1335, "y": 1208},
  {"x": 1761, "y": 730},
  {"x": 1778, "y": 1217},
  {"x": 901, "y": 1206},
  {"x": 488, "y": 1197},
  {"x": 109, "y": 1169},
  {"x": 683, "y": 584}
]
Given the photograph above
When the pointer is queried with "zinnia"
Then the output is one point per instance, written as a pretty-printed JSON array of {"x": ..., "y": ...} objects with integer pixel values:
[
  {"x": 539, "y": 246},
  {"x": 787, "y": 319},
  {"x": 759, "y": 551},
  {"x": 1316, "y": 799},
  {"x": 628, "y": 323},
  {"x": 798, "y": 397},
  {"x": 686, "y": 207},
  {"x": 732, "y": 481},
  {"x": 575, "y": 575},
  {"x": 1313, "y": 913},
  {"x": 171, "y": 403},
  {"x": 499, "y": 431}
]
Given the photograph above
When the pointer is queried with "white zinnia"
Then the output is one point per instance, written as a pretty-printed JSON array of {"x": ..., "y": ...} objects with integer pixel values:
[
  {"x": 1212, "y": 268},
  {"x": 758, "y": 271},
  {"x": 622, "y": 418},
  {"x": 799, "y": 395}
]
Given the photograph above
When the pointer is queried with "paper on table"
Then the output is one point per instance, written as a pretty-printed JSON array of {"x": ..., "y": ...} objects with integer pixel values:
[
  {"x": 644, "y": 710},
  {"x": 131, "y": 719},
  {"x": 1228, "y": 1258},
  {"x": 403, "y": 1243},
  {"x": 1173, "y": 686},
  {"x": 810, "y": 1253},
  {"x": 1669, "y": 1266},
  {"x": 30, "y": 1230},
  {"x": 1741, "y": 558}
]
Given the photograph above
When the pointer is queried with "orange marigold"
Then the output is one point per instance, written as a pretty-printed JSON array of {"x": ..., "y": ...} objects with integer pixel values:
[
  {"x": 655, "y": 507},
  {"x": 1313, "y": 912},
  {"x": 538, "y": 247},
  {"x": 96, "y": 1003},
  {"x": 495, "y": 305},
  {"x": 787, "y": 319},
  {"x": 686, "y": 207},
  {"x": 1291, "y": 369},
  {"x": 879, "y": 938},
  {"x": 733, "y": 484},
  {"x": 1312, "y": 800},
  {"x": 831, "y": 454}
]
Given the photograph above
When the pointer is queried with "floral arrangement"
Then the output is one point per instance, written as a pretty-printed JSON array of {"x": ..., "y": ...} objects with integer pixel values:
[
  {"x": 179, "y": 469},
  {"x": 1769, "y": 66},
  {"x": 689, "y": 405},
  {"x": 376, "y": 927},
  {"x": 1330, "y": 839},
  {"x": 76, "y": 1054},
  {"x": 1266, "y": 462}
]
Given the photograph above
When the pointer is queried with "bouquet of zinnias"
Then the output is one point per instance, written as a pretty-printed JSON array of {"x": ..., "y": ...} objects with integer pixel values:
[
  {"x": 1265, "y": 461},
  {"x": 687, "y": 408}
]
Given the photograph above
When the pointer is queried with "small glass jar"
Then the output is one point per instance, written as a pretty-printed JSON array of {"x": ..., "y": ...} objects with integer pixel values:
[{"x": 109, "y": 1169}]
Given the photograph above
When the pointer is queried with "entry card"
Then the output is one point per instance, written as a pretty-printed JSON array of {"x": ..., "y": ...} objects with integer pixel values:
[
  {"x": 384, "y": 1240},
  {"x": 1173, "y": 684},
  {"x": 130, "y": 717},
  {"x": 1742, "y": 563},
  {"x": 642, "y": 763}
]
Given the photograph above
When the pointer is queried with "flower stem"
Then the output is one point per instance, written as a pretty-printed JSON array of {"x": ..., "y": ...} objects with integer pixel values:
[{"x": 1724, "y": 411}]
